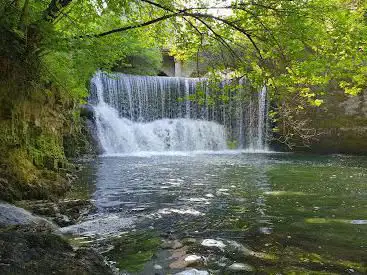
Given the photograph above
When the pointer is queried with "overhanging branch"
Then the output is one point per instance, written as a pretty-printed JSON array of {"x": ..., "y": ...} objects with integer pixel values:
[
  {"x": 131, "y": 27},
  {"x": 182, "y": 13}
]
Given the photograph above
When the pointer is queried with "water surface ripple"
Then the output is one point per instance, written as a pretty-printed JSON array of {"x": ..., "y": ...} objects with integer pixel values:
[{"x": 295, "y": 213}]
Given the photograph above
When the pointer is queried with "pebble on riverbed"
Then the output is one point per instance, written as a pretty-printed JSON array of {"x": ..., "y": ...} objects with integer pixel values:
[
  {"x": 193, "y": 272},
  {"x": 240, "y": 267},
  {"x": 192, "y": 258},
  {"x": 213, "y": 243}
]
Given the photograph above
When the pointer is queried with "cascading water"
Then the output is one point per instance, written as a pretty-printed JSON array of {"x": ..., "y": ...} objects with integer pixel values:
[
  {"x": 146, "y": 113},
  {"x": 139, "y": 114}
]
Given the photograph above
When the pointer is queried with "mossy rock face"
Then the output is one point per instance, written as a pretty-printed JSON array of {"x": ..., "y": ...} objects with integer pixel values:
[
  {"x": 43, "y": 184},
  {"x": 84, "y": 141},
  {"x": 40, "y": 126},
  {"x": 36, "y": 141}
]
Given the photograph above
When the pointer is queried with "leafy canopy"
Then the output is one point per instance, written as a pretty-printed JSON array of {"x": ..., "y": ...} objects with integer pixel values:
[{"x": 295, "y": 47}]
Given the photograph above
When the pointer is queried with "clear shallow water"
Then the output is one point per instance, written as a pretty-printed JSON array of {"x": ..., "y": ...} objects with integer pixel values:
[{"x": 274, "y": 212}]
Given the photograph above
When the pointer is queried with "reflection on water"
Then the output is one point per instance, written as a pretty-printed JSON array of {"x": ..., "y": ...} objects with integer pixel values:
[{"x": 294, "y": 213}]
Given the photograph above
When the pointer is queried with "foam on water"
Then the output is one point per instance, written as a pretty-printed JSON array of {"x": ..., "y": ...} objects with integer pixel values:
[{"x": 147, "y": 154}]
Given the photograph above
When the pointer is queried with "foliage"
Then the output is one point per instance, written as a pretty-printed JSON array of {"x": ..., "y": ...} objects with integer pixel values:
[
  {"x": 295, "y": 47},
  {"x": 144, "y": 62},
  {"x": 45, "y": 69}
]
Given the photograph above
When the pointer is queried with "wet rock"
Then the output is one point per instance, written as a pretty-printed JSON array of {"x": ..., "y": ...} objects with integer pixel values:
[
  {"x": 62, "y": 220},
  {"x": 236, "y": 247},
  {"x": 193, "y": 272},
  {"x": 45, "y": 253},
  {"x": 109, "y": 224},
  {"x": 192, "y": 259},
  {"x": 178, "y": 264},
  {"x": 87, "y": 111},
  {"x": 167, "y": 244},
  {"x": 213, "y": 243},
  {"x": 221, "y": 262},
  {"x": 240, "y": 267},
  {"x": 63, "y": 213},
  {"x": 188, "y": 241},
  {"x": 178, "y": 255},
  {"x": 11, "y": 215}
]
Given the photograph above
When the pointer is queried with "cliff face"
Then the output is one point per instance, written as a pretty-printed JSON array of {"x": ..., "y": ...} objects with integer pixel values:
[{"x": 340, "y": 124}]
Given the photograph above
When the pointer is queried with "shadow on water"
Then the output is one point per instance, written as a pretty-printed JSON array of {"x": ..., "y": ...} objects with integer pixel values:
[{"x": 226, "y": 214}]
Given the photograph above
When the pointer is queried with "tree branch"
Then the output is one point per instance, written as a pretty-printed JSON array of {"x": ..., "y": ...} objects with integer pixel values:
[
  {"x": 185, "y": 12},
  {"x": 122, "y": 29},
  {"x": 219, "y": 38}
]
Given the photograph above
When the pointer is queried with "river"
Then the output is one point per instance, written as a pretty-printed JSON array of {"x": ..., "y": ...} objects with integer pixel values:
[{"x": 229, "y": 211}]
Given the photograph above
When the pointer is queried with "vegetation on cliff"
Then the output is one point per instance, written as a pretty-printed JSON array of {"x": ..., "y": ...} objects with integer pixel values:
[{"x": 45, "y": 70}]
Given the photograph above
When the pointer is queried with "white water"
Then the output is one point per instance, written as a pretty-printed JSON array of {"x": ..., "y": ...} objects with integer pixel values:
[
  {"x": 136, "y": 114},
  {"x": 122, "y": 135},
  {"x": 261, "y": 127}
]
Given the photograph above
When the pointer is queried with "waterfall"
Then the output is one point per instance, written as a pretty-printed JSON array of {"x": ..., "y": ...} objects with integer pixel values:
[
  {"x": 261, "y": 129},
  {"x": 151, "y": 113}
]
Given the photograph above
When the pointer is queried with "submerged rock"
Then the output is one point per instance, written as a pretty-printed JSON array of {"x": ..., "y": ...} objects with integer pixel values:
[
  {"x": 237, "y": 247},
  {"x": 104, "y": 225},
  {"x": 213, "y": 243},
  {"x": 171, "y": 244},
  {"x": 240, "y": 267},
  {"x": 188, "y": 241},
  {"x": 193, "y": 271}
]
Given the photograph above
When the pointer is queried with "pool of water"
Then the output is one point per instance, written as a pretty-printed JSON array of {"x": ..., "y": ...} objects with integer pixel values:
[{"x": 228, "y": 213}]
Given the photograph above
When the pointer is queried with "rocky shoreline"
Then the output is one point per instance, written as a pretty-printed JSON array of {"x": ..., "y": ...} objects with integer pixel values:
[{"x": 32, "y": 244}]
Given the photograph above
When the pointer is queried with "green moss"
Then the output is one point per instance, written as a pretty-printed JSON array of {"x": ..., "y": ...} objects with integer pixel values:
[
  {"x": 36, "y": 118},
  {"x": 132, "y": 251}
]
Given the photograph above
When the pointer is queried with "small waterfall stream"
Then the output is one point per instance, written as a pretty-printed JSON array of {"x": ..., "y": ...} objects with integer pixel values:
[{"x": 157, "y": 114}]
